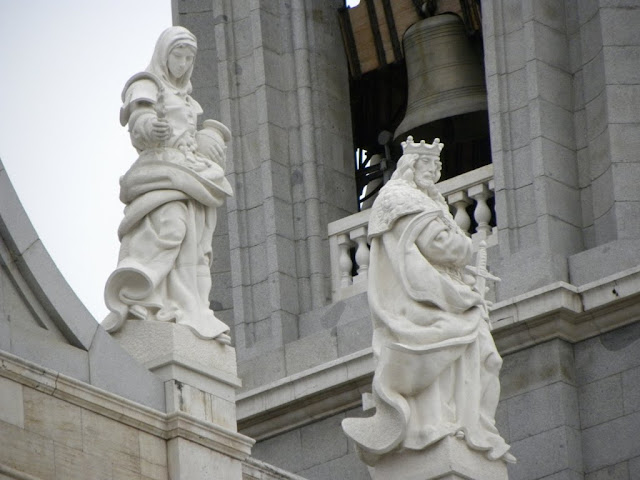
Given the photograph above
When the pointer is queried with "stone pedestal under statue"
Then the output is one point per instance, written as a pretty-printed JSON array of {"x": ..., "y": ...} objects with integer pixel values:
[
  {"x": 200, "y": 379},
  {"x": 449, "y": 459}
]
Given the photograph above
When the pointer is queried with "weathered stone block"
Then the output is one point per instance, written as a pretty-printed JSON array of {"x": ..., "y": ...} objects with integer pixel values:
[
  {"x": 556, "y": 123},
  {"x": 601, "y": 401},
  {"x": 112, "y": 369},
  {"x": 594, "y": 79},
  {"x": 525, "y": 205},
  {"x": 623, "y": 102},
  {"x": 52, "y": 418},
  {"x": 188, "y": 460},
  {"x": 559, "y": 200},
  {"x": 556, "y": 451},
  {"x": 153, "y": 456},
  {"x": 74, "y": 464},
  {"x": 110, "y": 440},
  {"x": 283, "y": 451},
  {"x": 310, "y": 351},
  {"x": 586, "y": 200},
  {"x": 37, "y": 345},
  {"x": 603, "y": 193},
  {"x": 591, "y": 32},
  {"x": 354, "y": 336},
  {"x": 520, "y": 128},
  {"x": 631, "y": 390},
  {"x": 262, "y": 369},
  {"x": 625, "y": 142},
  {"x": 612, "y": 472},
  {"x": 517, "y": 89},
  {"x": 348, "y": 466},
  {"x": 514, "y": 50},
  {"x": 599, "y": 154},
  {"x": 323, "y": 441},
  {"x": 536, "y": 367},
  {"x": 619, "y": 26},
  {"x": 546, "y": 44},
  {"x": 596, "y": 115},
  {"x": 626, "y": 178},
  {"x": 550, "y": 13},
  {"x": 543, "y": 409},
  {"x": 555, "y": 85},
  {"x": 611, "y": 442},
  {"x": 12, "y": 401},
  {"x": 608, "y": 354}
]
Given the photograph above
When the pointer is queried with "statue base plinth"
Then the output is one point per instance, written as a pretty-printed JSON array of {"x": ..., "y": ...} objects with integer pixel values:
[
  {"x": 200, "y": 382},
  {"x": 449, "y": 459},
  {"x": 200, "y": 375}
]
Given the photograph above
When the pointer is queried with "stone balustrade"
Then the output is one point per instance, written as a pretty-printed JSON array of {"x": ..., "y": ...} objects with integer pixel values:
[{"x": 348, "y": 236}]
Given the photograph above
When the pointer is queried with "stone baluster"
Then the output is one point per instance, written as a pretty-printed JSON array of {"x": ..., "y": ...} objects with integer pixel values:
[
  {"x": 344, "y": 260},
  {"x": 460, "y": 201},
  {"x": 359, "y": 236},
  {"x": 482, "y": 213}
]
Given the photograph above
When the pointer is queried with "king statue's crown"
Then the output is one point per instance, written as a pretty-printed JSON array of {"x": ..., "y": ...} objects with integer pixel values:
[{"x": 422, "y": 148}]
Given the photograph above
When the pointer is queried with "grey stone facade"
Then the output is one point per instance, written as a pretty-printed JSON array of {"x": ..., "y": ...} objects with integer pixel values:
[{"x": 564, "y": 96}]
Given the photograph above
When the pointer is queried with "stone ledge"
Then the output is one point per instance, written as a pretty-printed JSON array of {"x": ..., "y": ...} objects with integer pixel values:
[
  {"x": 305, "y": 397},
  {"x": 261, "y": 470},
  {"x": 559, "y": 310},
  {"x": 127, "y": 412},
  {"x": 12, "y": 473}
]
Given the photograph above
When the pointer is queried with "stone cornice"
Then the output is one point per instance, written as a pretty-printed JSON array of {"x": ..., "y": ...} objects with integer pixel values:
[
  {"x": 559, "y": 310},
  {"x": 154, "y": 422}
]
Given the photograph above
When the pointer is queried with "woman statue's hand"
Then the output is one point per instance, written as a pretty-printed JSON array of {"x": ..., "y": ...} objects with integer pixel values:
[
  {"x": 213, "y": 151},
  {"x": 160, "y": 129}
]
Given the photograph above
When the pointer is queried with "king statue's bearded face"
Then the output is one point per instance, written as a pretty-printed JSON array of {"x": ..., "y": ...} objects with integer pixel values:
[{"x": 427, "y": 170}]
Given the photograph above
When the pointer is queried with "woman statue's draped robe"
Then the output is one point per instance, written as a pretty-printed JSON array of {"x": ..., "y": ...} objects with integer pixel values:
[
  {"x": 171, "y": 195},
  {"x": 436, "y": 363}
]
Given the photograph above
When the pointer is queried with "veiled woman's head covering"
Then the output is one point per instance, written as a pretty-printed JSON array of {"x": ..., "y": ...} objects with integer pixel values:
[{"x": 169, "y": 39}]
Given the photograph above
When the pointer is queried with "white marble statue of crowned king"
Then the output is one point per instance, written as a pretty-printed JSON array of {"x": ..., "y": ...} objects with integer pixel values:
[
  {"x": 171, "y": 195},
  {"x": 437, "y": 366}
]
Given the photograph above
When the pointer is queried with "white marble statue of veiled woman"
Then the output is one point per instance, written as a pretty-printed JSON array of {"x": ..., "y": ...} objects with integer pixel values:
[
  {"x": 436, "y": 363},
  {"x": 171, "y": 195}
]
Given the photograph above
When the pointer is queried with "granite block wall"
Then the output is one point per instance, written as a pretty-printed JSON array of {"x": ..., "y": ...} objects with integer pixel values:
[
  {"x": 568, "y": 412},
  {"x": 608, "y": 379},
  {"x": 317, "y": 451},
  {"x": 48, "y": 438}
]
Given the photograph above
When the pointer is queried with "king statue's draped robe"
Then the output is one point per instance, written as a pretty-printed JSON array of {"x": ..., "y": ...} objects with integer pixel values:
[{"x": 436, "y": 363}]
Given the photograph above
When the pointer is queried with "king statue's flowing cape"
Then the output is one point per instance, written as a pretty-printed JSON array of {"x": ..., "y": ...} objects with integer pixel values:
[{"x": 436, "y": 362}]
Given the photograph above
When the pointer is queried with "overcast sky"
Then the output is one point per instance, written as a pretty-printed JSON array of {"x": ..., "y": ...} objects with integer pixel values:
[{"x": 63, "y": 64}]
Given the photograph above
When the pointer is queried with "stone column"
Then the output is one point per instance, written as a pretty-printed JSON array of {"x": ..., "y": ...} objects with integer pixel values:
[{"x": 200, "y": 379}]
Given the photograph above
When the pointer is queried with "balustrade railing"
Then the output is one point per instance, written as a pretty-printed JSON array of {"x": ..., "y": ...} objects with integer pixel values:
[{"x": 348, "y": 245}]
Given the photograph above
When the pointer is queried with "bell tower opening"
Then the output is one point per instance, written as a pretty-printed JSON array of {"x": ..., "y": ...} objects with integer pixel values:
[{"x": 416, "y": 68}]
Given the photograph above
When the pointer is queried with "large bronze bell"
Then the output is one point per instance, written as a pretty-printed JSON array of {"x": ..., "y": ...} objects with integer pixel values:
[{"x": 445, "y": 73}]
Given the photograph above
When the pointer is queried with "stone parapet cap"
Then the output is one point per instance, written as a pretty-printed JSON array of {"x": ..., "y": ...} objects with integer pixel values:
[
  {"x": 257, "y": 469},
  {"x": 559, "y": 310},
  {"x": 127, "y": 412},
  {"x": 562, "y": 310}
]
